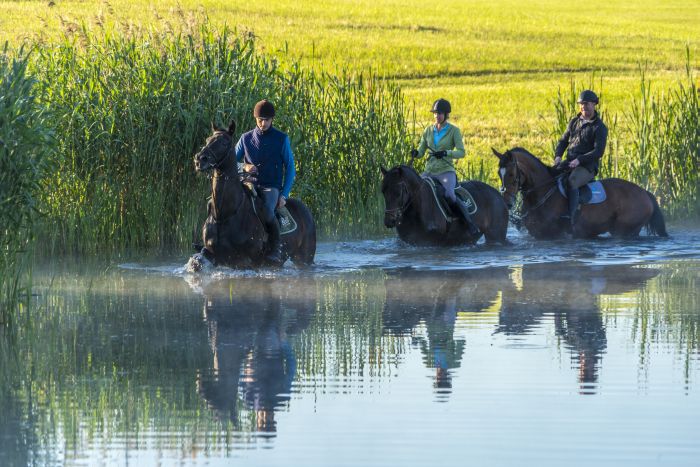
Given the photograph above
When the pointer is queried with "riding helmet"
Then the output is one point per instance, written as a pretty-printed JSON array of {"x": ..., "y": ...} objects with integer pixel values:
[
  {"x": 587, "y": 96},
  {"x": 441, "y": 106},
  {"x": 264, "y": 109}
]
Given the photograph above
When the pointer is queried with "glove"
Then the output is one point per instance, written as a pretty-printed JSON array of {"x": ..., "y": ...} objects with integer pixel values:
[
  {"x": 439, "y": 154},
  {"x": 414, "y": 153}
]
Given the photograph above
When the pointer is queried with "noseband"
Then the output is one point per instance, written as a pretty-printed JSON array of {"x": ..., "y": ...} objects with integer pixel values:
[{"x": 405, "y": 201}]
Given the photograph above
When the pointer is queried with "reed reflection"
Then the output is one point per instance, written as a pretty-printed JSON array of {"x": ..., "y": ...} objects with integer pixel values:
[
  {"x": 250, "y": 326},
  {"x": 571, "y": 294},
  {"x": 434, "y": 299}
]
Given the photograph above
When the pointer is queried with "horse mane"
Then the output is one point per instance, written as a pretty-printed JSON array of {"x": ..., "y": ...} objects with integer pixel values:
[{"x": 552, "y": 171}]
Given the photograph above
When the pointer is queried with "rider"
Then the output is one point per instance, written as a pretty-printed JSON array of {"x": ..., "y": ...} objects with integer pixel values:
[
  {"x": 585, "y": 137},
  {"x": 444, "y": 140},
  {"x": 270, "y": 151}
]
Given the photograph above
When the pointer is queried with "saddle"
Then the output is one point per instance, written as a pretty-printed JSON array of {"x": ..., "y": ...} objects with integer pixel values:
[
  {"x": 591, "y": 193},
  {"x": 463, "y": 196},
  {"x": 285, "y": 219}
]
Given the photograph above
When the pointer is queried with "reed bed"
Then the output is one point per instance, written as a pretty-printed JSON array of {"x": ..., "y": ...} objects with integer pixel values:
[{"x": 25, "y": 150}]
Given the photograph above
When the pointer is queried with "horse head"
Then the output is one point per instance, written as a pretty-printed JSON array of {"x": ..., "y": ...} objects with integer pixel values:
[
  {"x": 510, "y": 176},
  {"x": 216, "y": 149},
  {"x": 397, "y": 196}
]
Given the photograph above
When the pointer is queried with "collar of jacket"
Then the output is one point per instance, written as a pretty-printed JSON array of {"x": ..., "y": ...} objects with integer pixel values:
[{"x": 595, "y": 116}]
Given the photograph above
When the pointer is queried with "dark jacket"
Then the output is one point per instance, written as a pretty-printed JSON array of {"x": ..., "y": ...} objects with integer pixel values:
[
  {"x": 585, "y": 140},
  {"x": 266, "y": 151}
]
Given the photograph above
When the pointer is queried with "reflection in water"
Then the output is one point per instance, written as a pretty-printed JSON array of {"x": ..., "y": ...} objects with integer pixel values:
[
  {"x": 253, "y": 363},
  {"x": 134, "y": 368},
  {"x": 434, "y": 300},
  {"x": 572, "y": 296}
]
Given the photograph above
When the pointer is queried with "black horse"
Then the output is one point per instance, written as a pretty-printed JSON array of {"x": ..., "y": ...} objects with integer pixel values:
[
  {"x": 411, "y": 208},
  {"x": 233, "y": 234}
]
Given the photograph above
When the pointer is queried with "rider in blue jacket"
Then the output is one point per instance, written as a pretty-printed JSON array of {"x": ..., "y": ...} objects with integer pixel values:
[{"x": 269, "y": 150}]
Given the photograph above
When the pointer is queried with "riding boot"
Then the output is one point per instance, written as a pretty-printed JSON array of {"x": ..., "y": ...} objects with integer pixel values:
[
  {"x": 573, "y": 193},
  {"x": 274, "y": 255},
  {"x": 464, "y": 211}
]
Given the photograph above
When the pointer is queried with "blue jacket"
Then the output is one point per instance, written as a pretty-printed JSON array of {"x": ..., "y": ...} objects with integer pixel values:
[{"x": 271, "y": 153}]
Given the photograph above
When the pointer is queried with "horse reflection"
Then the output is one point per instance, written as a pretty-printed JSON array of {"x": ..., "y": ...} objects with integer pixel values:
[
  {"x": 253, "y": 361},
  {"x": 570, "y": 294},
  {"x": 435, "y": 299}
]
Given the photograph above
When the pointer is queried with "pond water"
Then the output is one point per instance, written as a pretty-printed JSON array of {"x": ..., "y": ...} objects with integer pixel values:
[{"x": 540, "y": 353}]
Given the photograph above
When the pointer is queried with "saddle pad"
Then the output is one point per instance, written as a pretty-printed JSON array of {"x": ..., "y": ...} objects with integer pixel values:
[
  {"x": 592, "y": 193},
  {"x": 466, "y": 198},
  {"x": 287, "y": 222},
  {"x": 462, "y": 193}
]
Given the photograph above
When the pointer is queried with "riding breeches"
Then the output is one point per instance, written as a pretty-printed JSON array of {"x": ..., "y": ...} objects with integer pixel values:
[
  {"x": 579, "y": 177},
  {"x": 270, "y": 197},
  {"x": 448, "y": 180}
]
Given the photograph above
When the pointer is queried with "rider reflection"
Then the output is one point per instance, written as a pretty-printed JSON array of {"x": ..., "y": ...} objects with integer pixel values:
[
  {"x": 253, "y": 364},
  {"x": 573, "y": 298},
  {"x": 435, "y": 299}
]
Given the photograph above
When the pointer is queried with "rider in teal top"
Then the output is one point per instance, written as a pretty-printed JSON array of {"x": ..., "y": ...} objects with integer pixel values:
[{"x": 444, "y": 143}]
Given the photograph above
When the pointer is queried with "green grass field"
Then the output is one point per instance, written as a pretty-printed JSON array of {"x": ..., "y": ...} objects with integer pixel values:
[{"x": 499, "y": 62}]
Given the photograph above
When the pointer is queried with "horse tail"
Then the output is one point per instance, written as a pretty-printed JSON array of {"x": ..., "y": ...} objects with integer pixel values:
[{"x": 656, "y": 225}]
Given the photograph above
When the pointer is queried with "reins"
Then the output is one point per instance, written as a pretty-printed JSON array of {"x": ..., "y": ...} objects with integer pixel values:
[{"x": 517, "y": 218}]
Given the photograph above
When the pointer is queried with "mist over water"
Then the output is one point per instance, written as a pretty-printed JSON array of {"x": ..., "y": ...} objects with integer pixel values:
[{"x": 539, "y": 353}]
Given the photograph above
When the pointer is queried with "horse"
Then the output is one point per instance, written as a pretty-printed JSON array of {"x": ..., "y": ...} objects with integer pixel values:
[
  {"x": 626, "y": 209},
  {"x": 411, "y": 208},
  {"x": 233, "y": 234}
]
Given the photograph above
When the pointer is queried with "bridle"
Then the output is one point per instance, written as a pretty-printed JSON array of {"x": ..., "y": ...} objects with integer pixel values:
[
  {"x": 518, "y": 217},
  {"x": 405, "y": 201},
  {"x": 221, "y": 173}
]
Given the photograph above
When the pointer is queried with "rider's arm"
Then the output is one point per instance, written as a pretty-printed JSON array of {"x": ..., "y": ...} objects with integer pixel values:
[
  {"x": 458, "y": 151},
  {"x": 423, "y": 144},
  {"x": 289, "y": 169},
  {"x": 563, "y": 141},
  {"x": 601, "y": 139},
  {"x": 239, "y": 150}
]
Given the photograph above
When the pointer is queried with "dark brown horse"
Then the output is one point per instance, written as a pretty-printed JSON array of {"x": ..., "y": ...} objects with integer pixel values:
[
  {"x": 233, "y": 234},
  {"x": 411, "y": 208},
  {"x": 627, "y": 208}
]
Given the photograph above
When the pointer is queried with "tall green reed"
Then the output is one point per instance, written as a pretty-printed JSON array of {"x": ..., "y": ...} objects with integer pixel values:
[
  {"x": 664, "y": 146},
  {"x": 25, "y": 148}
]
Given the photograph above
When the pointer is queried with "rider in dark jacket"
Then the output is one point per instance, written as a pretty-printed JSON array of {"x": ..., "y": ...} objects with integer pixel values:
[
  {"x": 585, "y": 137},
  {"x": 270, "y": 151}
]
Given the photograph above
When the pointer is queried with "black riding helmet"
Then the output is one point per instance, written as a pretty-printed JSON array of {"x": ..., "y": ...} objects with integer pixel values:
[
  {"x": 441, "y": 106},
  {"x": 264, "y": 109},
  {"x": 587, "y": 96}
]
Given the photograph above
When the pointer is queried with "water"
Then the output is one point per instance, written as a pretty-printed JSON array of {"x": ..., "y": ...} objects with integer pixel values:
[{"x": 542, "y": 353}]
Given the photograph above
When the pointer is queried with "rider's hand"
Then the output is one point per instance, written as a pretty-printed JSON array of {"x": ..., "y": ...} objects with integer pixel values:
[
  {"x": 557, "y": 161},
  {"x": 574, "y": 163},
  {"x": 281, "y": 202},
  {"x": 439, "y": 154}
]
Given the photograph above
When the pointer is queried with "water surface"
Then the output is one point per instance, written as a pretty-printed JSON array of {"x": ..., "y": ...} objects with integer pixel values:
[{"x": 542, "y": 353}]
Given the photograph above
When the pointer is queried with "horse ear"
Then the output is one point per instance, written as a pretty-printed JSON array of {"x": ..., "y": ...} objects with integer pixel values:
[
  {"x": 384, "y": 171},
  {"x": 496, "y": 153},
  {"x": 231, "y": 127}
]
